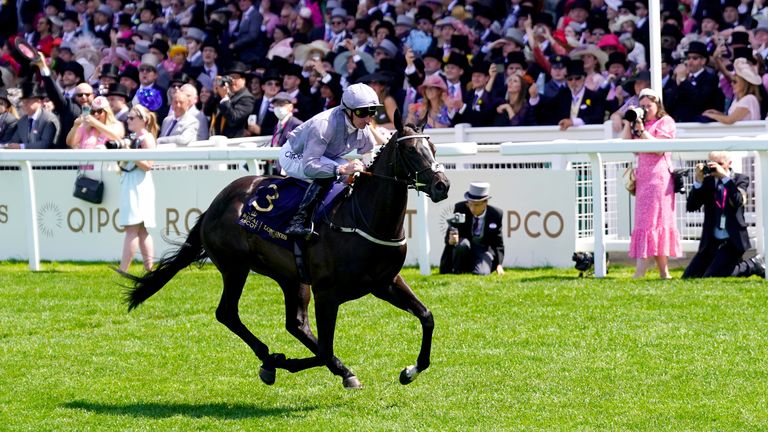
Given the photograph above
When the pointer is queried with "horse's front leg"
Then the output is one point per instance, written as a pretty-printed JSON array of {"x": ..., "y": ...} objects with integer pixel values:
[
  {"x": 326, "y": 310},
  {"x": 400, "y": 295}
]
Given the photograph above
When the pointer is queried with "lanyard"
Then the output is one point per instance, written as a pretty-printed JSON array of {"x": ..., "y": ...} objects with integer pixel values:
[{"x": 721, "y": 204}]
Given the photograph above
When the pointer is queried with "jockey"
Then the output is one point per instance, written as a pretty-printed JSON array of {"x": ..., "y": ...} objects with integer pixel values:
[{"x": 315, "y": 150}]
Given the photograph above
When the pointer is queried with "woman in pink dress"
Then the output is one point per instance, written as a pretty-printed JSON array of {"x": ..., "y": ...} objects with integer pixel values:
[{"x": 655, "y": 232}]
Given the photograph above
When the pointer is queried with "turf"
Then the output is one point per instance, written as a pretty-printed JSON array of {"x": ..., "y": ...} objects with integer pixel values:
[{"x": 531, "y": 350}]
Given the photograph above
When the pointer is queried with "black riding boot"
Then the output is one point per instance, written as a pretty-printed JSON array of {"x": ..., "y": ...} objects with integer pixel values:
[{"x": 301, "y": 224}]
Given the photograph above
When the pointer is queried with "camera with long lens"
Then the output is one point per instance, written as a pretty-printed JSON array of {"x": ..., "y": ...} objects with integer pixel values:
[
  {"x": 457, "y": 218},
  {"x": 125, "y": 143},
  {"x": 634, "y": 114},
  {"x": 223, "y": 81}
]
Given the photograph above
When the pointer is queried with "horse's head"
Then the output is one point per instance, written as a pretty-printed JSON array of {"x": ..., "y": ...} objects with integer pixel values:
[{"x": 412, "y": 158}]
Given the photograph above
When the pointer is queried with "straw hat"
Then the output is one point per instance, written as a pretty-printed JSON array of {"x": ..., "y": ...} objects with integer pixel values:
[
  {"x": 579, "y": 52},
  {"x": 302, "y": 52}
]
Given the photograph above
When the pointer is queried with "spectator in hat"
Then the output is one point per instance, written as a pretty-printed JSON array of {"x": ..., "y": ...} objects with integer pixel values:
[
  {"x": 474, "y": 242},
  {"x": 432, "y": 112},
  {"x": 445, "y": 28},
  {"x": 746, "y": 89},
  {"x": 70, "y": 26},
  {"x": 696, "y": 85},
  {"x": 148, "y": 79},
  {"x": 515, "y": 109},
  {"x": 92, "y": 131},
  {"x": 330, "y": 91},
  {"x": 265, "y": 121},
  {"x": 209, "y": 69},
  {"x": 108, "y": 74},
  {"x": 283, "y": 109},
  {"x": 232, "y": 103},
  {"x": 760, "y": 35},
  {"x": 118, "y": 97},
  {"x": 70, "y": 75},
  {"x": 8, "y": 117},
  {"x": 294, "y": 84},
  {"x": 176, "y": 61},
  {"x": 37, "y": 128},
  {"x": 184, "y": 123},
  {"x": 250, "y": 43},
  {"x": 195, "y": 38},
  {"x": 454, "y": 71},
  {"x": 478, "y": 108},
  {"x": 129, "y": 77},
  {"x": 67, "y": 109},
  {"x": 576, "y": 105},
  {"x": 593, "y": 59},
  {"x": 102, "y": 23}
]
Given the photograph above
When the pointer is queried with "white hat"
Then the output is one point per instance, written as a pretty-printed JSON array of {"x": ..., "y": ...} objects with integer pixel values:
[
  {"x": 745, "y": 70},
  {"x": 360, "y": 96},
  {"x": 649, "y": 92}
]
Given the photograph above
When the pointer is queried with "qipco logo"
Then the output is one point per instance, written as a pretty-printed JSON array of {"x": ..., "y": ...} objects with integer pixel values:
[{"x": 534, "y": 223}]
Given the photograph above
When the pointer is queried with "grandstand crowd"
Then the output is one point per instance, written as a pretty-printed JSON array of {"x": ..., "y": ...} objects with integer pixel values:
[{"x": 439, "y": 62}]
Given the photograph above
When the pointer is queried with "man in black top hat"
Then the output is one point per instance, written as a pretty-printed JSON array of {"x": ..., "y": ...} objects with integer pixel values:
[
  {"x": 577, "y": 105},
  {"x": 478, "y": 108},
  {"x": 234, "y": 101},
  {"x": 118, "y": 97},
  {"x": 295, "y": 85},
  {"x": 37, "y": 128},
  {"x": 71, "y": 74},
  {"x": 473, "y": 240},
  {"x": 264, "y": 119},
  {"x": 696, "y": 85}
]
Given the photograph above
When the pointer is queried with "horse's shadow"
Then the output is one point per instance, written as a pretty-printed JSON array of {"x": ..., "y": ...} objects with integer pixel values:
[{"x": 170, "y": 409}]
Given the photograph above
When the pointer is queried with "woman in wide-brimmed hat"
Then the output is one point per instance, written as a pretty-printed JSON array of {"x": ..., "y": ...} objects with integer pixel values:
[
  {"x": 746, "y": 90},
  {"x": 432, "y": 111},
  {"x": 594, "y": 60}
]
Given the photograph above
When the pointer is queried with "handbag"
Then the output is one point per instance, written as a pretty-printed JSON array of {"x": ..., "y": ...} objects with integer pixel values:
[
  {"x": 629, "y": 180},
  {"x": 88, "y": 189},
  {"x": 678, "y": 177}
]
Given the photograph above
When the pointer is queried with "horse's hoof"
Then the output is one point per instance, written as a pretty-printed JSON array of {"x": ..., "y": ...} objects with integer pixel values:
[
  {"x": 267, "y": 375},
  {"x": 409, "y": 375},
  {"x": 352, "y": 383}
]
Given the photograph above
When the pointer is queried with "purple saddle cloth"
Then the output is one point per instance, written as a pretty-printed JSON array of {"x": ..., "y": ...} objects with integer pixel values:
[{"x": 269, "y": 211}]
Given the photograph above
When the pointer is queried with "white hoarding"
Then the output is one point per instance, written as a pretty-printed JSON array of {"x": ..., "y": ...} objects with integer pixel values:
[{"x": 538, "y": 207}]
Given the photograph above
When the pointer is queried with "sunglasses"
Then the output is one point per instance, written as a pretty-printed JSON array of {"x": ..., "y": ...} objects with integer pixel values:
[
  {"x": 97, "y": 112},
  {"x": 337, "y": 22},
  {"x": 364, "y": 112},
  {"x": 82, "y": 94}
]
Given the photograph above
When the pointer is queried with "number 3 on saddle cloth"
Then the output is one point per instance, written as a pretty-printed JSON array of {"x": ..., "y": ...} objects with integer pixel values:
[{"x": 270, "y": 210}]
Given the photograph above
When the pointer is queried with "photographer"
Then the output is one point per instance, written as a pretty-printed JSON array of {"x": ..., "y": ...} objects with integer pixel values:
[
  {"x": 137, "y": 190},
  {"x": 95, "y": 126},
  {"x": 655, "y": 232},
  {"x": 724, "y": 237},
  {"x": 234, "y": 102},
  {"x": 473, "y": 240}
]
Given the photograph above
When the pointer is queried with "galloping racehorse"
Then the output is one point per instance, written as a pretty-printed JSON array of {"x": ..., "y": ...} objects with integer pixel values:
[{"x": 360, "y": 251}]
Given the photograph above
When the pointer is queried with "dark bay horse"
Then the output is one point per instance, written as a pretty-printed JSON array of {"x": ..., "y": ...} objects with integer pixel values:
[{"x": 361, "y": 250}]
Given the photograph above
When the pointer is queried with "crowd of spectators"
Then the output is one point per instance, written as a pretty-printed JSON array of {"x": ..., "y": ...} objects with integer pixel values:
[{"x": 438, "y": 62}]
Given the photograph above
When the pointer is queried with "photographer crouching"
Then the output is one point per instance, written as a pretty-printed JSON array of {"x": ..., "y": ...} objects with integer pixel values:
[
  {"x": 473, "y": 240},
  {"x": 724, "y": 237},
  {"x": 654, "y": 235}
]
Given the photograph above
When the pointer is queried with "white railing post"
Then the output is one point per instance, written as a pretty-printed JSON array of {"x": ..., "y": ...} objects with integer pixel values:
[
  {"x": 598, "y": 210},
  {"x": 421, "y": 231},
  {"x": 460, "y": 132},
  {"x": 33, "y": 245}
]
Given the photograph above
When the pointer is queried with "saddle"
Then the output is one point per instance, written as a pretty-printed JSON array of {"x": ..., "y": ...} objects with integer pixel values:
[{"x": 269, "y": 211}]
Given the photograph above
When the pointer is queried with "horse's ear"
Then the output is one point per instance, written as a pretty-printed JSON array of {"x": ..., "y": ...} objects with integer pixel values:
[
  {"x": 423, "y": 123},
  {"x": 398, "y": 122}
]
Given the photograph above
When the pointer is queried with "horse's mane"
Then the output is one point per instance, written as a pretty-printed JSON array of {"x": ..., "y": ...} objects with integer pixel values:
[{"x": 408, "y": 129}]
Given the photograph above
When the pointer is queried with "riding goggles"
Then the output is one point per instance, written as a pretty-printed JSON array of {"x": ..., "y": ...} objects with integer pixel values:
[{"x": 364, "y": 112}]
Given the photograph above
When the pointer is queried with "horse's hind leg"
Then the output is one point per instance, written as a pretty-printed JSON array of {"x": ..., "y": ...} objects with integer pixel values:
[
  {"x": 227, "y": 313},
  {"x": 400, "y": 295}
]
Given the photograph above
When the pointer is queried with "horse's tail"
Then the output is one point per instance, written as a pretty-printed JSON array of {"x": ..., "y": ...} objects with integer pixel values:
[{"x": 187, "y": 253}]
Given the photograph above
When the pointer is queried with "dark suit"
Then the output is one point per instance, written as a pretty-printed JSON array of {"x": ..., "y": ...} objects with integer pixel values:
[
  {"x": 250, "y": 44},
  {"x": 472, "y": 254},
  {"x": 700, "y": 94},
  {"x": 7, "y": 127},
  {"x": 67, "y": 110},
  {"x": 232, "y": 116},
  {"x": 478, "y": 113},
  {"x": 591, "y": 109},
  {"x": 43, "y": 133},
  {"x": 718, "y": 257}
]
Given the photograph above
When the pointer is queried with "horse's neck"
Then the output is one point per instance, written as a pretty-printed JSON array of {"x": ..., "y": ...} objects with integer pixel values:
[{"x": 381, "y": 204}]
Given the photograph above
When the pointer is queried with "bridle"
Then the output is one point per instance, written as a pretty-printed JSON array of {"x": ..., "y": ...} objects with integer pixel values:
[{"x": 412, "y": 179}]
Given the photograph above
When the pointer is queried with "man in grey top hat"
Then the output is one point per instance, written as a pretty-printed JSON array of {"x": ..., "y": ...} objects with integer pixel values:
[
  {"x": 473, "y": 240},
  {"x": 314, "y": 150}
]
